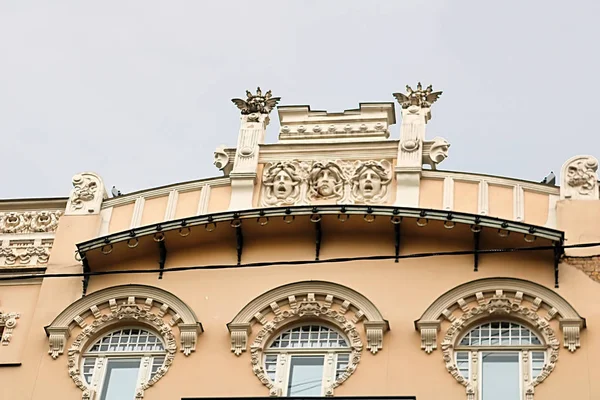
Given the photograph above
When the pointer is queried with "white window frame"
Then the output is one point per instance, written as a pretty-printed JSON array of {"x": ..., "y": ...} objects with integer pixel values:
[
  {"x": 102, "y": 358},
  {"x": 284, "y": 355},
  {"x": 480, "y": 368},
  {"x": 524, "y": 365}
]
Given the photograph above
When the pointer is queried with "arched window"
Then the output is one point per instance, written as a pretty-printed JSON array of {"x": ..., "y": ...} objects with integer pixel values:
[
  {"x": 119, "y": 362},
  {"x": 504, "y": 354},
  {"x": 305, "y": 359}
]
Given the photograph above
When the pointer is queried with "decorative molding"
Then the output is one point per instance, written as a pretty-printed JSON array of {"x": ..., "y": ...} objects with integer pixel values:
[
  {"x": 518, "y": 203},
  {"x": 138, "y": 211},
  {"x": 126, "y": 311},
  {"x": 8, "y": 321},
  {"x": 371, "y": 121},
  {"x": 579, "y": 178},
  {"x": 15, "y": 222},
  {"x": 203, "y": 201},
  {"x": 328, "y": 293},
  {"x": 492, "y": 180},
  {"x": 87, "y": 194},
  {"x": 165, "y": 190},
  {"x": 166, "y": 303},
  {"x": 499, "y": 305},
  {"x": 541, "y": 299},
  {"x": 171, "y": 205},
  {"x": 105, "y": 217},
  {"x": 25, "y": 252},
  {"x": 300, "y": 182},
  {"x": 307, "y": 308},
  {"x": 448, "y": 194},
  {"x": 483, "y": 203}
]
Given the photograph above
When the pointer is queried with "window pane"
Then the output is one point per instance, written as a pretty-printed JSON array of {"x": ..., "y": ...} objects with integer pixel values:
[
  {"x": 500, "y": 334},
  {"x": 306, "y": 376},
  {"x": 121, "y": 379},
  {"x": 500, "y": 376},
  {"x": 312, "y": 336}
]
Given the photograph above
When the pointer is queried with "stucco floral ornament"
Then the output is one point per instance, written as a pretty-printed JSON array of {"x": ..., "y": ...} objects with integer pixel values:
[
  {"x": 308, "y": 308},
  {"x": 13, "y": 222},
  {"x": 501, "y": 305},
  {"x": 123, "y": 312}
]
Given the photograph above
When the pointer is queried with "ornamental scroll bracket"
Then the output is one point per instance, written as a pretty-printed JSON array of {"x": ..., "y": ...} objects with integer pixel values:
[{"x": 9, "y": 322}]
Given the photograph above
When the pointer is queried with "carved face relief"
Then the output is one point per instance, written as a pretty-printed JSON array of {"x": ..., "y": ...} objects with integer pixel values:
[
  {"x": 283, "y": 185},
  {"x": 326, "y": 183},
  {"x": 370, "y": 180},
  {"x": 369, "y": 183}
]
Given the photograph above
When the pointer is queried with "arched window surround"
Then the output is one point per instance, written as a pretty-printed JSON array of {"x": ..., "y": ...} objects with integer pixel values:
[
  {"x": 317, "y": 302},
  {"x": 145, "y": 306},
  {"x": 500, "y": 299}
]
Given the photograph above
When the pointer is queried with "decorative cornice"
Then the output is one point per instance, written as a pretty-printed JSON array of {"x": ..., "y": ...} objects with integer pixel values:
[
  {"x": 165, "y": 190},
  {"x": 494, "y": 180},
  {"x": 257, "y": 309},
  {"x": 542, "y": 297},
  {"x": 181, "y": 315}
]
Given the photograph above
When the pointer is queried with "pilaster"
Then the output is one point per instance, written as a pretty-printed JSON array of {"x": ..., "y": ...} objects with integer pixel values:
[
  {"x": 254, "y": 121},
  {"x": 243, "y": 175},
  {"x": 416, "y": 111}
]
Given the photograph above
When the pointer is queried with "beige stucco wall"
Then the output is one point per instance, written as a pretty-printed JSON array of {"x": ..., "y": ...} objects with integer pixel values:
[{"x": 401, "y": 291}]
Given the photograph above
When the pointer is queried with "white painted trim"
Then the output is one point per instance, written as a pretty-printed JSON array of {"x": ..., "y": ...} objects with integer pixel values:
[
  {"x": 203, "y": 201},
  {"x": 493, "y": 180},
  {"x": 171, "y": 205},
  {"x": 483, "y": 203},
  {"x": 138, "y": 210},
  {"x": 551, "y": 222},
  {"x": 318, "y": 151},
  {"x": 448, "y": 196},
  {"x": 518, "y": 203},
  {"x": 105, "y": 217},
  {"x": 26, "y": 236},
  {"x": 163, "y": 191}
]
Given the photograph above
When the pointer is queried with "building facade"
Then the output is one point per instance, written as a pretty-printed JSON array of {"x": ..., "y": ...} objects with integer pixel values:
[{"x": 339, "y": 261}]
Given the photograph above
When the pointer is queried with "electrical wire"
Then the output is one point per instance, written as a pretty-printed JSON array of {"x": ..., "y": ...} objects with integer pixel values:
[{"x": 297, "y": 262}]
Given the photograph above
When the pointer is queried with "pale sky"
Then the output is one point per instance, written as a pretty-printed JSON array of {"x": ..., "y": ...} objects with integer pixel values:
[{"x": 139, "y": 91}]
